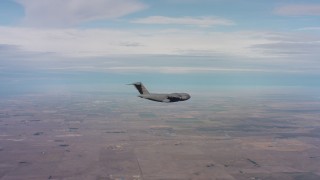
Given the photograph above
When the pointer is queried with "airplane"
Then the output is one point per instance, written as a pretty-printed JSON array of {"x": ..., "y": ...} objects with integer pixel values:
[{"x": 167, "y": 98}]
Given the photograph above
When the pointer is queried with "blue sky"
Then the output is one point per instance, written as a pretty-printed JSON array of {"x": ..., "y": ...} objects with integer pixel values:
[{"x": 133, "y": 39}]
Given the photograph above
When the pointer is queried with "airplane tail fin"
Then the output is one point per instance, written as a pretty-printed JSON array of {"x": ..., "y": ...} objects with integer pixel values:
[{"x": 140, "y": 87}]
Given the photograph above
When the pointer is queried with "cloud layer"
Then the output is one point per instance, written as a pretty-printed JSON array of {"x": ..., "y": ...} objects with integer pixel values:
[
  {"x": 63, "y": 45},
  {"x": 62, "y": 13},
  {"x": 299, "y": 10},
  {"x": 181, "y": 51},
  {"x": 194, "y": 21},
  {"x": 104, "y": 42}
]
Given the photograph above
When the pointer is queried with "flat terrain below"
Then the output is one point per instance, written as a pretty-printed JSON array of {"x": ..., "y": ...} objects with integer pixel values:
[{"x": 96, "y": 136}]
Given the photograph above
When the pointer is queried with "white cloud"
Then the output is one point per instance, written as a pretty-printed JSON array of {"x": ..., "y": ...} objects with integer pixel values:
[
  {"x": 194, "y": 21},
  {"x": 102, "y": 42},
  {"x": 64, "y": 13},
  {"x": 185, "y": 51},
  {"x": 291, "y": 45},
  {"x": 299, "y": 10},
  {"x": 185, "y": 70},
  {"x": 290, "y": 48},
  {"x": 149, "y": 68},
  {"x": 96, "y": 48}
]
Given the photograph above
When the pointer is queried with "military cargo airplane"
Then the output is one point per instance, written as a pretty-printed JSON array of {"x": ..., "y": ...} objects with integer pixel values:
[{"x": 173, "y": 97}]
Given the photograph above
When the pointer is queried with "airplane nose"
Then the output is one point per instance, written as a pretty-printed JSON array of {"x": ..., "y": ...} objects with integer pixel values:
[{"x": 188, "y": 96}]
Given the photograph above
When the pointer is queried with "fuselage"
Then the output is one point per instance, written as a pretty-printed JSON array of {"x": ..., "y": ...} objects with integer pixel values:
[{"x": 173, "y": 97}]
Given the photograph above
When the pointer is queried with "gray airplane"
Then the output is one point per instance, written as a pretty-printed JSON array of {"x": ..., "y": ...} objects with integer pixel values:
[{"x": 173, "y": 97}]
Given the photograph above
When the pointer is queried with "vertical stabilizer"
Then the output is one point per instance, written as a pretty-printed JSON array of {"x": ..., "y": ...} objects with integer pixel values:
[{"x": 140, "y": 87}]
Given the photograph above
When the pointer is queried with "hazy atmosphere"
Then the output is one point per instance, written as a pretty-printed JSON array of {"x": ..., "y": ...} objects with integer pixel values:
[
  {"x": 252, "y": 69},
  {"x": 212, "y": 43}
]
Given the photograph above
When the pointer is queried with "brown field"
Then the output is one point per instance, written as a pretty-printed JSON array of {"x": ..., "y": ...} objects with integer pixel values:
[{"x": 85, "y": 136}]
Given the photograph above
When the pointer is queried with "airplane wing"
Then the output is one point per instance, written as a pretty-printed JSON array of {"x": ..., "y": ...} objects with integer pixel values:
[
  {"x": 174, "y": 97},
  {"x": 166, "y": 100}
]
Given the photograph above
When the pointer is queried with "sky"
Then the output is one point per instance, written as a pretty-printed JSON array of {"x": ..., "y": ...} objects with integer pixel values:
[{"x": 203, "y": 43}]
